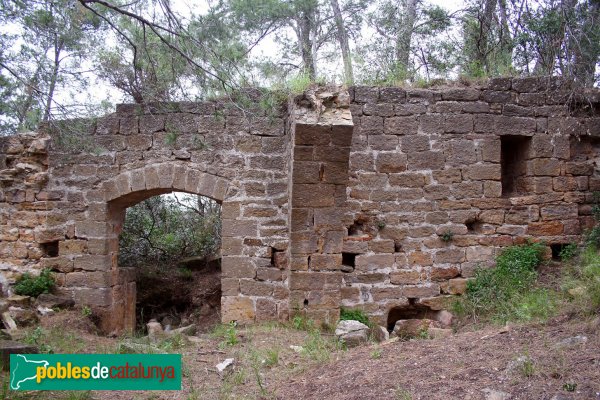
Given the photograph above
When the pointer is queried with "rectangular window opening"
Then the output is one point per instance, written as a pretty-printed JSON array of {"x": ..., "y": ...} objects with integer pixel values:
[{"x": 514, "y": 153}]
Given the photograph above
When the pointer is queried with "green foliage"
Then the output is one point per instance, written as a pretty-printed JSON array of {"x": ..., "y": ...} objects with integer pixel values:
[
  {"x": 447, "y": 236},
  {"x": 582, "y": 282},
  {"x": 570, "y": 386},
  {"x": 507, "y": 292},
  {"x": 568, "y": 252},
  {"x": 355, "y": 315},
  {"x": 30, "y": 285},
  {"x": 36, "y": 337},
  {"x": 228, "y": 333},
  {"x": 171, "y": 138},
  {"x": 376, "y": 353},
  {"x": 166, "y": 229},
  {"x": 86, "y": 311},
  {"x": 299, "y": 322},
  {"x": 318, "y": 347}
]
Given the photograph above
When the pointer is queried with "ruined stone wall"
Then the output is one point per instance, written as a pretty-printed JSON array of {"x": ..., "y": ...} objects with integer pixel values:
[
  {"x": 442, "y": 179},
  {"x": 384, "y": 199},
  {"x": 68, "y": 216}
]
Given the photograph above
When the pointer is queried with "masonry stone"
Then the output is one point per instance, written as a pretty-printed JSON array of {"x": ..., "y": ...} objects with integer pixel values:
[{"x": 342, "y": 199}]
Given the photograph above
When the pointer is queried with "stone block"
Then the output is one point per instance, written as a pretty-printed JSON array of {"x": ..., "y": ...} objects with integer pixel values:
[
  {"x": 372, "y": 262},
  {"x": 419, "y": 258},
  {"x": 445, "y": 256},
  {"x": 327, "y": 262},
  {"x": 429, "y": 290},
  {"x": 426, "y": 160},
  {"x": 544, "y": 167},
  {"x": 550, "y": 228},
  {"x": 406, "y": 277},
  {"x": 237, "y": 308},
  {"x": 391, "y": 162},
  {"x": 483, "y": 172},
  {"x": 318, "y": 195},
  {"x": 238, "y": 267},
  {"x": 414, "y": 143},
  {"x": 400, "y": 126},
  {"x": 303, "y": 242},
  {"x": 457, "y": 285},
  {"x": 93, "y": 262}
]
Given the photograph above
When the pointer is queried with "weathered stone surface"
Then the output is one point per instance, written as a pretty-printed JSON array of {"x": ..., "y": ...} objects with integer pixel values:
[
  {"x": 8, "y": 347},
  {"x": 352, "y": 333}
]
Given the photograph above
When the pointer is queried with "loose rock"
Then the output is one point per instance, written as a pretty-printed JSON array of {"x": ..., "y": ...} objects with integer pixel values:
[{"x": 352, "y": 333}]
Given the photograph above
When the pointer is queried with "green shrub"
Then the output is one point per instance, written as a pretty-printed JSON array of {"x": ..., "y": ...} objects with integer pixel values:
[
  {"x": 355, "y": 315},
  {"x": 30, "y": 285},
  {"x": 582, "y": 282},
  {"x": 507, "y": 292}
]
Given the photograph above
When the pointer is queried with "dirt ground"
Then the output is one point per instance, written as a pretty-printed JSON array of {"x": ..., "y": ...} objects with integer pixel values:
[{"x": 459, "y": 367}]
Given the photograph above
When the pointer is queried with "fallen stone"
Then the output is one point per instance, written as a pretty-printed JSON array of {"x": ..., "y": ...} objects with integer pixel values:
[
  {"x": 225, "y": 367},
  {"x": 491, "y": 394},
  {"x": 184, "y": 330},
  {"x": 562, "y": 396},
  {"x": 23, "y": 316},
  {"x": 572, "y": 341},
  {"x": 352, "y": 333},
  {"x": 155, "y": 329},
  {"x": 577, "y": 291},
  {"x": 49, "y": 300},
  {"x": 379, "y": 334},
  {"x": 45, "y": 311},
  {"x": 346, "y": 268},
  {"x": 410, "y": 328},
  {"x": 445, "y": 318},
  {"x": 19, "y": 301},
  {"x": 8, "y": 347},
  {"x": 439, "y": 333},
  {"x": 9, "y": 322},
  {"x": 297, "y": 349}
]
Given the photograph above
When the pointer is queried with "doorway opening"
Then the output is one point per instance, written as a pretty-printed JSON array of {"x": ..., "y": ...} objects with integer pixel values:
[{"x": 173, "y": 243}]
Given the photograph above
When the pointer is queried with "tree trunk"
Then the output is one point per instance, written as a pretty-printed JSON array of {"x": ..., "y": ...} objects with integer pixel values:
[
  {"x": 405, "y": 31},
  {"x": 55, "y": 69},
  {"x": 343, "y": 39},
  {"x": 483, "y": 46},
  {"x": 306, "y": 45}
]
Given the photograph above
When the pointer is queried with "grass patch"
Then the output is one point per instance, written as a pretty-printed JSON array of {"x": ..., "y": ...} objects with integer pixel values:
[
  {"x": 228, "y": 333},
  {"x": 508, "y": 292},
  {"x": 582, "y": 282}
]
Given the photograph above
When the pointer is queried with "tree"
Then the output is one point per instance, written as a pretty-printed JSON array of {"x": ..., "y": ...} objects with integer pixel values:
[
  {"x": 50, "y": 48},
  {"x": 409, "y": 41},
  {"x": 342, "y": 36}
]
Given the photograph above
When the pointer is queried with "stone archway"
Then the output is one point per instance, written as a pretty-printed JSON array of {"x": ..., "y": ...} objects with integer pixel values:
[{"x": 115, "y": 286}]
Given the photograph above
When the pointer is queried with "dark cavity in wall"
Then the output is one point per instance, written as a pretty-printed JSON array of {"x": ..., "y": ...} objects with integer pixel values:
[
  {"x": 557, "y": 248},
  {"x": 348, "y": 262},
  {"x": 410, "y": 311},
  {"x": 50, "y": 249},
  {"x": 513, "y": 158}
]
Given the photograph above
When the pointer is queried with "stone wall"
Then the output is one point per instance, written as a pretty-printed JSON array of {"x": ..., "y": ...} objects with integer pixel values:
[
  {"x": 385, "y": 199},
  {"x": 442, "y": 179},
  {"x": 64, "y": 197}
]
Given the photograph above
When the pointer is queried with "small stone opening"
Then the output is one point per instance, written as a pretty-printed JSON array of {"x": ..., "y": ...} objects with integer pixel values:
[
  {"x": 557, "y": 248},
  {"x": 348, "y": 262},
  {"x": 305, "y": 302},
  {"x": 474, "y": 225},
  {"x": 409, "y": 312},
  {"x": 172, "y": 243},
  {"x": 50, "y": 249},
  {"x": 514, "y": 153}
]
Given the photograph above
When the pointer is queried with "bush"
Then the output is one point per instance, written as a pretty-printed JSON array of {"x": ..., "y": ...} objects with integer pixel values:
[
  {"x": 583, "y": 281},
  {"x": 507, "y": 292},
  {"x": 354, "y": 315},
  {"x": 30, "y": 285}
]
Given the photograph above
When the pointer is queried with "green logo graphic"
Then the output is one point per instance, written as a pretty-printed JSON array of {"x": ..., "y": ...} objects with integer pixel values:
[{"x": 95, "y": 371}]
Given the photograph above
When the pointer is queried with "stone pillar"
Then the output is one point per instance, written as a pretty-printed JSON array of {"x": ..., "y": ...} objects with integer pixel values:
[{"x": 321, "y": 136}]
